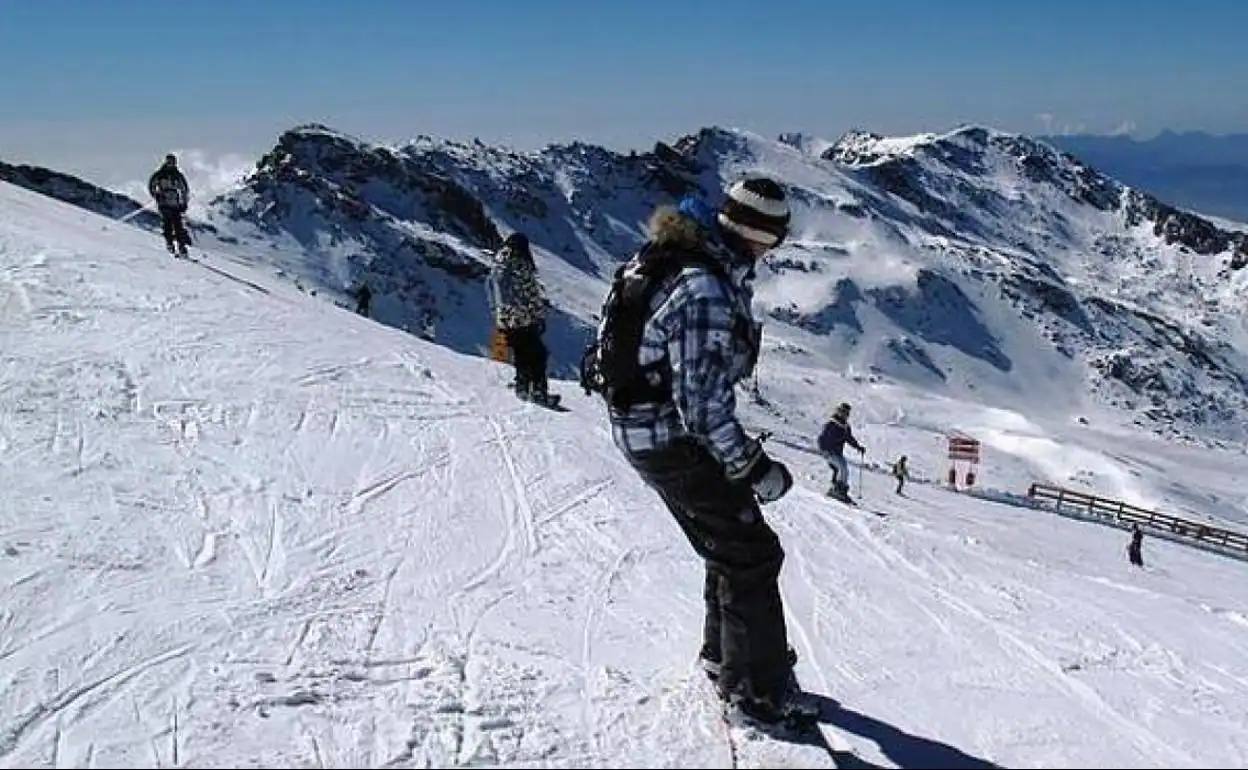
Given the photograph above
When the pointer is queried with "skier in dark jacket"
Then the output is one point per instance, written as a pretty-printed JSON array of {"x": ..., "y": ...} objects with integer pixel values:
[
  {"x": 363, "y": 300},
  {"x": 684, "y": 438},
  {"x": 901, "y": 472},
  {"x": 832, "y": 440},
  {"x": 1135, "y": 551},
  {"x": 520, "y": 312},
  {"x": 171, "y": 192}
]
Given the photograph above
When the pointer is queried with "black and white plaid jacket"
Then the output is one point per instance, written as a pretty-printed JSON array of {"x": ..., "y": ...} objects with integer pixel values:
[{"x": 702, "y": 324}]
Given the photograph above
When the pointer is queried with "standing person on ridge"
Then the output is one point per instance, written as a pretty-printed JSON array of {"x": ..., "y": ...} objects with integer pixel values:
[
  {"x": 670, "y": 386},
  {"x": 901, "y": 473},
  {"x": 832, "y": 440},
  {"x": 1135, "y": 551},
  {"x": 169, "y": 189},
  {"x": 520, "y": 312},
  {"x": 363, "y": 300}
]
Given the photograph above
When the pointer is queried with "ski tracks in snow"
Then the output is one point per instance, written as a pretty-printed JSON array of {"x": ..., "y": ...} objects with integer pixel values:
[
  {"x": 273, "y": 533},
  {"x": 69, "y": 697},
  {"x": 875, "y": 540},
  {"x": 518, "y": 518}
]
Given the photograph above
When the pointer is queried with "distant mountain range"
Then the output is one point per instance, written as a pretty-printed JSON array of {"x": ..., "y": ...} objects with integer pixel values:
[
  {"x": 1195, "y": 170},
  {"x": 975, "y": 264}
]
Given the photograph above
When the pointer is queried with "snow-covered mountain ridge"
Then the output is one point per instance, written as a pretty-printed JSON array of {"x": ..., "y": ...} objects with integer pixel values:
[{"x": 975, "y": 263}]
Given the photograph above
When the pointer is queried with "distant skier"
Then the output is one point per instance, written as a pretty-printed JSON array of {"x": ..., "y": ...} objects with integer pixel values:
[
  {"x": 520, "y": 312},
  {"x": 677, "y": 335},
  {"x": 1135, "y": 551},
  {"x": 169, "y": 189},
  {"x": 836, "y": 434},
  {"x": 901, "y": 473},
  {"x": 363, "y": 300}
]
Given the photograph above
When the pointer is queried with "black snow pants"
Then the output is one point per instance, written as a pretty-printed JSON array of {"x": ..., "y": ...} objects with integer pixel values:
[
  {"x": 744, "y": 628},
  {"x": 173, "y": 227},
  {"x": 529, "y": 354}
]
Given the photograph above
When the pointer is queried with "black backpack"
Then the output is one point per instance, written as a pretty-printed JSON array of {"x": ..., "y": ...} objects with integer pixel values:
[
  {"x": 169, "y": 189},
  {"x": 609, "y": 365}
]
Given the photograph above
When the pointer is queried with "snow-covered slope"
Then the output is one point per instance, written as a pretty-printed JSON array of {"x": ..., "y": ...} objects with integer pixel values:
[
  {"x": 974, "y": 264},
  {"x": 418, "y": 223},
  {"x": 243, "y": 528},
  {"x": 989, "y": 267},
  {"x": 79, "y": 192},
  {"x": 335, "y": 214}
]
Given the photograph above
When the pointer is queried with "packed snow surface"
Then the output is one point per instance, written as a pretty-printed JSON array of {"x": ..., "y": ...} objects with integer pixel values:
[{"x": 244, "y": 527}]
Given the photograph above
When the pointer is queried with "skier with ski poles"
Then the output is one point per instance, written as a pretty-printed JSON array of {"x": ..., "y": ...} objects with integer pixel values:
[
  {"x": 172, "y": 193},
  {"x": 832, "y": 440},
  {"x": 677, "y": 335}
]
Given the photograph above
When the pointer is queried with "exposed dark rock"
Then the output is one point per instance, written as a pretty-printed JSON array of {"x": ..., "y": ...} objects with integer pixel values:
[
  {"x": 78, "y": 192},
  {"x": 839, "y": 313},
  {"x": 939, "y": 312}
]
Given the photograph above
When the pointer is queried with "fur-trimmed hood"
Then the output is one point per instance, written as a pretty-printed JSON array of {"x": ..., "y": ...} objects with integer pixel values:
[{"x": 670, "y": 229}]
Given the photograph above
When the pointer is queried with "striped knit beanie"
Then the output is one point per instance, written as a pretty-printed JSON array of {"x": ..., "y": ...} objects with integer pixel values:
[{"x": 756, "y": 211}]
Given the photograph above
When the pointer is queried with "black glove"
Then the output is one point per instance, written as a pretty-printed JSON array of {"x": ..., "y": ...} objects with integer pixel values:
[{"x": 769, "y": 479}]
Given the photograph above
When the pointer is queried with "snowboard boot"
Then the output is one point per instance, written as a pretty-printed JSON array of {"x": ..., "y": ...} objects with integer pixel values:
[
  {"x": 789, "y": 711},
  {"x": 172, "y": 248},
  {"x": 522, "y": 387},
  {"x": 711, "y": 664},
  {"x": 548, "y": 400},
  {"x": 540, "y": 394}
]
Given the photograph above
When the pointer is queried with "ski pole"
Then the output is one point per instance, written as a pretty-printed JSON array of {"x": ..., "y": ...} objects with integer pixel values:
[
  {"x": 862, "y": 460},
  {"x": 136, "y": 212}
]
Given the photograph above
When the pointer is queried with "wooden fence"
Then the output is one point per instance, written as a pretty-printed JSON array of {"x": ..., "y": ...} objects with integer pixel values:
[{"x": 1124, "y": 513}]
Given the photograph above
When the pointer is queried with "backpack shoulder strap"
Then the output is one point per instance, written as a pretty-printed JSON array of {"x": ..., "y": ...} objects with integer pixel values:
[
  {"x": 673, "y": 264},
  {"x": 611, "y": 364}
]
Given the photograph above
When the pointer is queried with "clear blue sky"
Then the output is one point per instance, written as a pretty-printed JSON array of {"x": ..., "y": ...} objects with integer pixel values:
[{"x": 104, "y": 88}]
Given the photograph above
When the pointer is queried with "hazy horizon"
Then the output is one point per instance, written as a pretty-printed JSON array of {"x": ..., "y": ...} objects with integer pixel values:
[{"x": 104, "y": 90}]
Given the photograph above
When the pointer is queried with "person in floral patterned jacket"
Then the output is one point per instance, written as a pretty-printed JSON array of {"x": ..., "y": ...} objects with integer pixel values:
[{"x": 519, "y": 306}]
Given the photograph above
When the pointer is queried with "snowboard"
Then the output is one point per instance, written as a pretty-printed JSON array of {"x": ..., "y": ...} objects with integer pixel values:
[
  {"x": 752, "y": 746},
  {"x": 551, "y": 402}
]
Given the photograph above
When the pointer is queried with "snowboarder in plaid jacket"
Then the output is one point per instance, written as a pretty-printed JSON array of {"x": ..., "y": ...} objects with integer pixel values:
[{"x": 678, "y": 427}]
